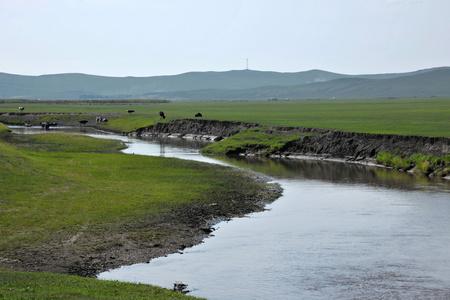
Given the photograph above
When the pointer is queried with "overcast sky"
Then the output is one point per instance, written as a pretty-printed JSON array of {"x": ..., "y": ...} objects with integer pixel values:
[{"x": 166, "y": 37}]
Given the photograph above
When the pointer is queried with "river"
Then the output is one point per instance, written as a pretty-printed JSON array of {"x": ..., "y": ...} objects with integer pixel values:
[{"x": 340, "y": 231}]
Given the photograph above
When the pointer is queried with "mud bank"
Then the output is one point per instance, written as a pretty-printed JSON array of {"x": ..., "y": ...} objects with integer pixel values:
[
  {"x": 313, "y": 142},
  {"x": 195, "y": 128}
]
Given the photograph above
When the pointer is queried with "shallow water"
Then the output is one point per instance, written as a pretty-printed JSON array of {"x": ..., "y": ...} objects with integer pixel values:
[{"x": 340, "y": 231}]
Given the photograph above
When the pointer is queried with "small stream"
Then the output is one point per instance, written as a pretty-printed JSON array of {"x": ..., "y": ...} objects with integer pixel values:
[{"x": 340, "y": 231}]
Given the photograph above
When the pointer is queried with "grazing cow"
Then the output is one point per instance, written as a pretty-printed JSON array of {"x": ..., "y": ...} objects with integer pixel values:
[
  {"x": 161, "y": 115},
  {"x": 101, "y": 120},
  {"x": 83, "y": 122},
  {"x": 130, "y": 111},
  {"x": 198, "y": 115},
  {"x": 21, "y": 108}
]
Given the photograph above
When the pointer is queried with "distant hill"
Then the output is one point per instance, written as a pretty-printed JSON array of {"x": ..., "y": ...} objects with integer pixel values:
[{"x": 242, "y": 84}]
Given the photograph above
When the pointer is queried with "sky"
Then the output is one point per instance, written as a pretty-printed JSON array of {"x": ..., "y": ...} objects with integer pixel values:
[{"x": 167, "y": 37}]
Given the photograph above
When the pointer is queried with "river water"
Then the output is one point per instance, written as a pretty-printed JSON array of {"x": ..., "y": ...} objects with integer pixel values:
[{"x": 340, "y": 231}]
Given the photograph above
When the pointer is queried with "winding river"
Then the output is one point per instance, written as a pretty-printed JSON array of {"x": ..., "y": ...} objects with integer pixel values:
[{"x": 340, "y": 231}]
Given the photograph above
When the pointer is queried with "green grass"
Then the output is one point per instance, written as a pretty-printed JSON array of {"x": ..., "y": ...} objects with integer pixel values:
[
  {"x": 408, "y": 116},
  {"x": 46, "y": 194},
  {"x": 56, "y": 186},
  {"x": 25, "y": 285},
  {"x": 59, "y": 142},
  {"x": 4, "y": 129},
  {"x": 256, "y": 139},
  {"x": 130, "y": 123},
  {"x": 421, "y": 164}
]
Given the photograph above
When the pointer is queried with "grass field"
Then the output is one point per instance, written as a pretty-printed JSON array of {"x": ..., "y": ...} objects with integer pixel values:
[
  {"x": 26, "y": 285},
  {"x": 408, "y": 116},
  {"x": 56, "y": 186}
]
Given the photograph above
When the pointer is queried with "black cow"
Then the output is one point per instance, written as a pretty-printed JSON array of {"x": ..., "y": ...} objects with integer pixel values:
[
  {"x": 83, "y": 122},
  {"x": 198, "y": 115},
  {"x": 130, "y": 111},
  {"x": 161, "y": 115}
]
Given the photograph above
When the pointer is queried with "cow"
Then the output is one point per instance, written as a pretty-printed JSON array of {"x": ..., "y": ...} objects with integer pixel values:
[
  {"x": 21, "y": 108},
  {"x": 130, "y": 111},
  {"x": 198, "y": 115},
  {"x": 83, "y": 122},
  {"x": 161, "y": 115}
]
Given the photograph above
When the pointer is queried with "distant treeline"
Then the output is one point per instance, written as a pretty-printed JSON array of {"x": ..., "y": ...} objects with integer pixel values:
[{"x": 91, "y": 101}]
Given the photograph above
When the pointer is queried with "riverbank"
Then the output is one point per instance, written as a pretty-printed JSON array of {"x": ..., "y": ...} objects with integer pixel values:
[
  {"x": 239, "y": 138},
  {"x": 72, "y": 211},
  {"x": 276, "y": 141}
]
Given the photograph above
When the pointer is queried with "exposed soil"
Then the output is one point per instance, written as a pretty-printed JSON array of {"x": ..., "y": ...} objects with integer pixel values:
[{"x": 322, "y": 143}]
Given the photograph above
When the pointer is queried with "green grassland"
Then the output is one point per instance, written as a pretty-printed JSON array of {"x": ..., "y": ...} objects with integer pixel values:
[
  {"x": 50, "y": 183},
  {"x": 54, "y": 186},
  {"x": 407, "y": 116},
  {"x": 26, "y": 285}
]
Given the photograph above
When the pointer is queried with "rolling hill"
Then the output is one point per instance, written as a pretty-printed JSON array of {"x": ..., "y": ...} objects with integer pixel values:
[{"x": 238, "y": 84}]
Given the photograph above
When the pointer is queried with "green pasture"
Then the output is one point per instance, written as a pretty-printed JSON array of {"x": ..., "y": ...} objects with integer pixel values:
[
  {"x": 55, "y": 186},
  {"x": 408, "y": 116},
  {"x": 51, "y": 187},
  {"x": 26, "y": 285}
]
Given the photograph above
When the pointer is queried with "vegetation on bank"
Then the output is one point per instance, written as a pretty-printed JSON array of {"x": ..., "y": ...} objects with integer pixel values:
[
  {"x": 4, "y": 129},
  {"x": 419, "y": 163},
  {"x": 406, "y": 116},
  {"x": 27, "y": 285},
  {"x": 260, "y": 140}
]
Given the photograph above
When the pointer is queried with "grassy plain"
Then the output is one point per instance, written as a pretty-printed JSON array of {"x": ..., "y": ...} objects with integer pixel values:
[
  {"x": 50, "y": 186},
  {"x": 26, "y": 285},
  {"x": 408, "y": 116},
  {"x": 54, "y": 187}
]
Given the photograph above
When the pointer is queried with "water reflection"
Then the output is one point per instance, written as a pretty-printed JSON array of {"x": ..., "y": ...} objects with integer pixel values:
[{"x": 336, "y": 172}]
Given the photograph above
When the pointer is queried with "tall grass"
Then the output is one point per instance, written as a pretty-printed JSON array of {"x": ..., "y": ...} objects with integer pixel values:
[{"x": 420, "y": 163}]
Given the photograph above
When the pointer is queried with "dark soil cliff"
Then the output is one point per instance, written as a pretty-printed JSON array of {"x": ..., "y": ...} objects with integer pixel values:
[
  {"x": 313, "y": 142},
  {"x": 197, "y": 128}
]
